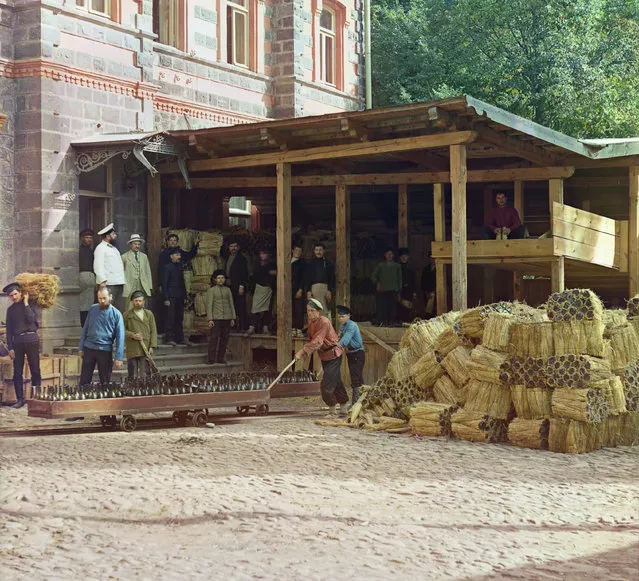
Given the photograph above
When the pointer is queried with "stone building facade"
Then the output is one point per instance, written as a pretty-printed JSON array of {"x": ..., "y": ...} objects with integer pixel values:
[{"x": 71, "y": 69}]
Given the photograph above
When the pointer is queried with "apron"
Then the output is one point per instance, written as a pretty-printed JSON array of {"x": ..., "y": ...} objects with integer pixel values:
[
  {"x": 86, "y": 282},
  {"x": 261, "y": 299}
]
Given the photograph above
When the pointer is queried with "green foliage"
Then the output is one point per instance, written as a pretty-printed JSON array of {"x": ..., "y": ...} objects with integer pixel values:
[{"x": 572, "y": 65}]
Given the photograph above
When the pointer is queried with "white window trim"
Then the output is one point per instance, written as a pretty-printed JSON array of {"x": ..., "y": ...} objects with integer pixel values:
[
  {"x": 247, "y": 31},
  {"x": 88, "y": 7}
]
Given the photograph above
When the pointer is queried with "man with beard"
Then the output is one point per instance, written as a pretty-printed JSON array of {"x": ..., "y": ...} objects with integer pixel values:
[
  {"x": 137, "y": 270},
  {"x": 139, "y": 327},
  {"x": 237, "y": 277},
  {"x": 23, "y": 321},
  {"x": 86, "y": 278},
  {"x": 108, "y": 267},
  {"x": 104, "y": 327}
]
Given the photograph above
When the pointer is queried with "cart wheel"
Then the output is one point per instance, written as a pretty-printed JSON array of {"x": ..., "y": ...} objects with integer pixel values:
[
  {"x": 243, "y": 410},
  {"x": 128, "y": 423},
  {"x": 199, "y": 419},
  {"x": 261, "y": 410},
  {"x": 179, "y": 418}
]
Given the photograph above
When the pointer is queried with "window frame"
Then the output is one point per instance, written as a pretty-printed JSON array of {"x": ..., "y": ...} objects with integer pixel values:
[
  {"x": 341, "y": 24},
  {"x": 176, "y": 28},
  {"x": 324, "y": 34},
  {"x": 233, "y": 8},
  {"x": 110, "y": 5}
]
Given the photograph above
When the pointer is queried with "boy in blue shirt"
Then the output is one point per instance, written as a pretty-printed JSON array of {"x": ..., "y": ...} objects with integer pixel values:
[{"x": 351, "y": 340}]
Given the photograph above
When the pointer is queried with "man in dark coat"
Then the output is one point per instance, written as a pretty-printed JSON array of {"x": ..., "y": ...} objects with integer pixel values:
[
  {"x": 237, "y": 278},
  {"x": 298, "y": 266},
  {"x": 174, "y": 290},
  {"x": 408, "y": 293},
  {"x": 319, "y": 277},
  {"x": 86, "y": 278}
]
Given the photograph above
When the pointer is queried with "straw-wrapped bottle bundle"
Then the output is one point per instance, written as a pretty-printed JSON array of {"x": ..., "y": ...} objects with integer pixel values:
[
  {"x": 485, "y": 364},
  {"x": 210, "y": 243},
  {"x": 400, "y": 365},
  {"x": 200, "y": 284},
  {"x": 558, "y": 434},
  {"x": 614, "y": 317},
  {"x": 203, "y": 265},
  {"x": 497, "y": 329},
  {"x": 492, "y": 399},
  {"x": 630, "y": 378},
  {"x": 624, "y": 345},
  {"x": 531, "y": 403},
  {"x": 423, "y": 334},
  {"x": 579, "y": 337},
  {"x": 633, "y": 307},
  {"x": 523, "y": 370},
  {"x": 574, "y": 305},
  {"x": 445, "y": 391},
  {"x": 199, "y": 304},
  {"x": 446, "y": 342},
  {"x": 576, "y": 371},
  {"x": 582, "y": 438},
  {"x": 43, "y": 288},
  {"x": 614, "y": 393},
  {"x": 634, "y": 323},
  {"x": 610, "y": 431},
  {"x": 456, "y": 365},
  {"x": 478, "y": 427},
  {"x": 585, "y": 405},
  {"x": 472, "y": 321},
  {"x": 629, "y": 434},
  {"x": 427, "y": 369},
  {"x": 529, "y": 433},
  {"x": 532, "y": 339},
  {"x": 431, "y": 419}
]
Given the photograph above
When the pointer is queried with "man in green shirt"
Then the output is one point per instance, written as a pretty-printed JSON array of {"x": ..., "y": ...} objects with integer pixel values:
[{"x": 387, "y": 278}]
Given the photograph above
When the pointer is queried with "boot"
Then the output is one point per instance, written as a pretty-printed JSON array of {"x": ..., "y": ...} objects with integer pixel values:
[
  {"x": 344, "y": 409},
  {"x": 18, "y": 404},
  {"x": 355, "y": 395}
]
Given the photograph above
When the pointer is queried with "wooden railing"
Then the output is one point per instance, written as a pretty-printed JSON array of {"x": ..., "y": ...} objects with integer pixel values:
[{"x": 589, "y": 237}]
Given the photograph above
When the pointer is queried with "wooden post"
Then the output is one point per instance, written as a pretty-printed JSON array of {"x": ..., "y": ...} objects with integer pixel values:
[
  {"x": 402, "y": 225},
  {"x": 154, "y": 223},
  {"x": 458, "y": 175},
  {"x": 283, "y": 241},
  {"x": 633, "y": 231},
  {"x": 555, "y": 194},
  {"x": 557, "y": 275},
  {"x": 557, "y": 278},
  {"x": 488, "y": 293},
  {"x": 518, "y": 203},
  {"x": 441, "y": 290},
  {"x": 343, "y": 245}
]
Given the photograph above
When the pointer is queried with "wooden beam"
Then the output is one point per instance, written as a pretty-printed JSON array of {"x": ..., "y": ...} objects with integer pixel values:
[
  {"x": 518, "y": 281},
  {"x": 335, "y": 151},
  {"x": 529, "y": 248},
  {"x": 441, "y": 287},
  {"x": 523, "y": 149},
  {"x": 460, "y": 264},
  {"x": 555, "y": 196},
  {"x": 377, "y": 340},
  {"x": 557, "y": 275},
  {"x": 439, "y": 208},
  {"x": 283, "y": 241},
  {"x": 402, "y": 216},
  {"x": 154, "y": 223},
  {"x": 518, "y": 286},
  {"x": 342, "y": 245},
  {"x": 633, "y": 232},
  {"x": 354, "y": 129}
]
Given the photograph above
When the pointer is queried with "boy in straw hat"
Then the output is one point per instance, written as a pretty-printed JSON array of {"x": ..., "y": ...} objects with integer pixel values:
[
  {"x": 137, "y": 270},
  {"x": 323, "y": 339}
]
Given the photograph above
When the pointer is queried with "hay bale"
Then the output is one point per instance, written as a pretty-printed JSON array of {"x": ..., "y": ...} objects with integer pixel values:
[
  {"x": 584, "y": 405},
  {"x": 575, "y": 371},
  {"x": 629, "y": 433},
  {"x": 624, "y": 345},
  {"x": 529, "y": 433},
  {"x": 492, "y": 399},
  {"x": 574, "y": 305},
  {"x": 399, "y": 367},
  {"x": 582, "y": 438},
  {"x": 532, "y": 339},
  {"x": 497, "y": 329},
  {"x": 579, "y": 337},
  {"x": 446, "y": 342},
  {"x": 43, "y": 288},
  {"x": 456, "y": 365},
  {"x": 431, "y": 419},
  {"x": 531, "y": 403},
  {"x": 427, "y": 370},
  {"x": 478, "y": 427},
  {"x": 558, "y": 434}
]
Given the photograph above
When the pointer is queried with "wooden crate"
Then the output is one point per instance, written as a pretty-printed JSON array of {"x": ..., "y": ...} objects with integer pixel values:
[{"x": 71, "y": 365}]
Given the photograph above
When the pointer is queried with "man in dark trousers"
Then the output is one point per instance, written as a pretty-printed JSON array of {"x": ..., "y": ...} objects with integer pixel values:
[
  {"x": 504, "y": 221},
  {"x": 104, "y": 327},
  {"x": 174, "y": 294},
  {"x": 320, "y": 277},
  {"x": 264, "y": 273},
  {"x": 237, "y": 277},
  {"x": 408, "y": 294},
  {"x": 387, "y": 278},
  {"x": 298, "y": 268},
  {"x": 86, "y": 278},
  {"x": 23, "y": 322}
]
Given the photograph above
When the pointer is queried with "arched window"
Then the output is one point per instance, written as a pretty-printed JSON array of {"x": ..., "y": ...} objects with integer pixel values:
[
  {"x": 237, "y": 26},
  {"x": 328, "y": 46}
]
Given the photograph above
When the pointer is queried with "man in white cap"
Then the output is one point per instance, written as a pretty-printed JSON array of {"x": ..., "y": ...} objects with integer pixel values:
[
  {"x": 137, "y": 270},
  {"x": 108, "y": 267}
]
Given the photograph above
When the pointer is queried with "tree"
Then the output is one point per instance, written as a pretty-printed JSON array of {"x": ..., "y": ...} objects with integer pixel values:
[{"x": 572, "y": 65}]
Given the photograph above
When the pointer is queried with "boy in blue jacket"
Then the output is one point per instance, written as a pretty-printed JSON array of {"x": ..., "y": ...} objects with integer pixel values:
[{"x": 350, "y": 339}]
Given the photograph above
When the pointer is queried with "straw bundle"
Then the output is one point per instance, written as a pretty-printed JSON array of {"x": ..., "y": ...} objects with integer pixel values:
[
  {"x": 472, "y": 321},
  {"x": 613, "y": 390},
  {"x": 529, "y": 433},
  {"x": 610, "y": 431},
  {"x": 531, "y": 403},
  {"x": 533, "y": 339},
  {"x": 43, "y": 288},
  {"x": 199, "y": 304},
  {"x": 614, "y": 317},
  {"x": 629, "y": 434},
  {"x": 582, "y": 438},
  {"x": 188, "y": 278},
  {"x": 630, "y": 378},
  {"x": 575, "y": 371},
  {"x": 557, "y": 434},
  {"x": 524, "y": 312},
  {"x": 422, "y": 334},
  {"x": 634, "y": 322},
  {"x": 633, "y": 307},
  {"x": 624, "y": 345},
  {"x": 485, "y": 365},
  {"x": 431, "y": 419},
  {"x": 579, "y": 337},
  {"x": 203, "y": 265},
  {"x": 478, "y": 427},
  {"x": 497, "y": 329},
  {"x": 427, "y": 370},
  {"x": 585, "y": 405},
  {"x": 399, "y": 367},
  {"x": 446, "y": 342},
  {"x": 456, "y": 365},
  {"x": 199, "y": 284},
  {"x": 528, "y": 371},
  {"x": 574, "y": 305},
  {"x": 492, "y": 399},
  {"x": 186, "y": 238},
  {"x": 210, "y": 243},
  {"x": 445, "y": 391}
]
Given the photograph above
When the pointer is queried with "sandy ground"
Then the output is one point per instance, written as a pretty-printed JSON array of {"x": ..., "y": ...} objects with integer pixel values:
[{"x": 282, "y": 498}]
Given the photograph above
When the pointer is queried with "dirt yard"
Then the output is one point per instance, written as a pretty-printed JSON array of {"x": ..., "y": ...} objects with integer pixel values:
[{"x": 281, "y": 498}]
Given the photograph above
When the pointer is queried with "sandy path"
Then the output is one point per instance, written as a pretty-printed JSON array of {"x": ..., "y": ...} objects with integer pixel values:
[{"x": 281, "y": 498}]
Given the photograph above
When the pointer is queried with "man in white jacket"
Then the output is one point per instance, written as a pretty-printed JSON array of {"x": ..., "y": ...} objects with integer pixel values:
[{"x": 108, "y": 267}]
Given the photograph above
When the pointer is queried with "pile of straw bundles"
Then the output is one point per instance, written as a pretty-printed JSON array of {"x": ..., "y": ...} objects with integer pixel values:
[
  {"x": 529, "y": 433},
  {"x": 43, "y": 288},
  {"x": 624, "y": 345},
  {"x": 431, "y": 419}
]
